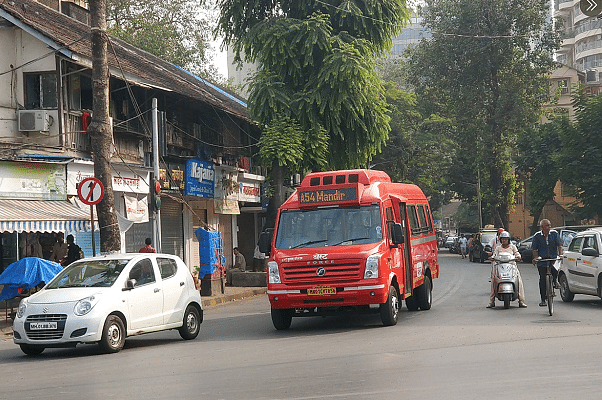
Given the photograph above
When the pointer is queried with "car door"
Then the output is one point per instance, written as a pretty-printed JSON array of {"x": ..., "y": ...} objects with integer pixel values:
[
  {"x": 145, "y": 300},
  {"x": 586, "y": 266},
  {"x": 173, "y": 282},
  {"x": 569, "y": 263}
]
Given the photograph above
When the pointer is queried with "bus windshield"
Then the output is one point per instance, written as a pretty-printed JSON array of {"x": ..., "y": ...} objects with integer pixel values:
[{"x": 337, "y": 226}]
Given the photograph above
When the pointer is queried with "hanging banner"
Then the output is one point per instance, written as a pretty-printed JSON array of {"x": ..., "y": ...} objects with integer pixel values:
[{"x": 136, "y": 209}]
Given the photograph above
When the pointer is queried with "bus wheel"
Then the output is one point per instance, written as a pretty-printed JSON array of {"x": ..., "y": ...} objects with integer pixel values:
[
  {"x": 282, "y": 318},
  {"x": 412, "y": 302},
  {"x": 389, "y": 311},
  {"x": 425, "y": 294}
]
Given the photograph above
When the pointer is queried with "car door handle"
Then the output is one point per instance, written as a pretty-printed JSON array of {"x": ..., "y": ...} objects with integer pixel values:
[
  {"x": 157, "y": 290},
  {"x": 578, "y": 259},
  {"x": 182, "y": 283}
]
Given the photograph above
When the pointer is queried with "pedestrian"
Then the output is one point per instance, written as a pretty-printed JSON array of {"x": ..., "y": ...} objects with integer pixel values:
[
  {"x": 463, "y": 244},
  {"x": 240, "y": 264},
  {"x": 469, "y": 245},
  {"x": 546, "y": 244},
  {"x": 59, "y": 249},
  {"x": 74, "y": 252},
  {"x": 148, "y": 248}
]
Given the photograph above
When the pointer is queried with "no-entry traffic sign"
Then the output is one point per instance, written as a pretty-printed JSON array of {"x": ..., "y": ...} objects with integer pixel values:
[{"x": 90, "y": 191}]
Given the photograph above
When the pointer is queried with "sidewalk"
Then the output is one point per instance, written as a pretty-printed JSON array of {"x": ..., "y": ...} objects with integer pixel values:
[{"x": 231, "y": 294}]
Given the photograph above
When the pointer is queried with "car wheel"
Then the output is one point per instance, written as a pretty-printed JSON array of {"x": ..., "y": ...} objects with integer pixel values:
[
  {"x": 565, "y": 293},
  {"x": 113, "y": 335},
  {"x": 282, "y": 318},
  {"x": 389, "y": 311},
  {"x": 192, "y": 323},
  {"x": 425, "y": 294},
  {"x": 31, "y": 350}
]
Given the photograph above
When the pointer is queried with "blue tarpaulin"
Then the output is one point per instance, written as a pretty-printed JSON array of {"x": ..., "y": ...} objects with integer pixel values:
[
  {"x": 26, "y": 273},
  {"x": 211, "y": 253}
]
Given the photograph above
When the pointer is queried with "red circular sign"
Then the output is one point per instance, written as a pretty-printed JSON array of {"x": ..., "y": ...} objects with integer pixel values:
[{"x": 90, "y": 191}]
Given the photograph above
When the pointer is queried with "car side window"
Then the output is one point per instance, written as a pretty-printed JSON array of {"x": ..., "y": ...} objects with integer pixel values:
[
  {"x": 143, "y": 272},
  {"x": 167, "y": 267},
  {"x": 576, "y": 244},
  {"x": 589, "y": 241}
]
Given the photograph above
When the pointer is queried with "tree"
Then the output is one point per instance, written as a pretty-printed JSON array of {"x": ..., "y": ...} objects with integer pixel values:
[
  {"x": 100, "y": 131},
  {"x": 579, "y": 160},
  {"x": 173, "y": 30},
  {"x": 538, "y": 149},
  {"x": 317, "y": 67},
  {"x": 489, "y": 59}
]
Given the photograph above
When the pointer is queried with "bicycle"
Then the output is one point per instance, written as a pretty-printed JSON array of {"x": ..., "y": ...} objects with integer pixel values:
[{"x": 550, "y": 293}]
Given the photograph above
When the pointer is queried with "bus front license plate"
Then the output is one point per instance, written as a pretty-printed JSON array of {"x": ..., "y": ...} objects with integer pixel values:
[{"x": 321, "y": 291}]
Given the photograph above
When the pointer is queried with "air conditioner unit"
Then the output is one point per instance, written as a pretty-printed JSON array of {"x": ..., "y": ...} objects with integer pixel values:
[{"x": 34, "y": 120}]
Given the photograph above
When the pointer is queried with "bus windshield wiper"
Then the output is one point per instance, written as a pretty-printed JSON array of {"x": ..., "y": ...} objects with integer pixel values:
[
  {"x": 308, "y": 243},
  {"x": 350, "y": 240}
]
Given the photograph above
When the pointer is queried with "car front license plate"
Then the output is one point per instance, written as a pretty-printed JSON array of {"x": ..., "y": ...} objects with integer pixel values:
[
  {"x": 36, "y": 326},
  {"x": 321, "y": 291}
]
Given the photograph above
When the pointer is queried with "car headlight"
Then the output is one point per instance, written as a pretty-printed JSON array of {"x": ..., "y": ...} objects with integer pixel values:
[
  {"x": 273, "y": 273},
  {"x": 371, "y": 270},
  {"x": 86, "y": 304},
  {"x": 22, "y": 308}
]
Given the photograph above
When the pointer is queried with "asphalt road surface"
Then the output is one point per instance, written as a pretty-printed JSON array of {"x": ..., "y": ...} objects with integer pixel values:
[{"x": 457, "y": 350}]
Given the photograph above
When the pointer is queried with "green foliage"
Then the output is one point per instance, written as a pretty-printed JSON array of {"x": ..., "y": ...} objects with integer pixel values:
[
  {"x": 487, "y": 64},
  {"x": 317, "y": 66},
  {"x": 579, "y": 162},
  {"x": 173, "y": 30}
]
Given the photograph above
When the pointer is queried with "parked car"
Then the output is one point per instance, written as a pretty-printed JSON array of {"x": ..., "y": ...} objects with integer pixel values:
[
  {"x": 449, "y": 241},
  {"x": 106, "y": 299},
  {"x": 525, "y": 250},
  {"x": 480, "y": 248},
  {"x": 581, "y": 269}
]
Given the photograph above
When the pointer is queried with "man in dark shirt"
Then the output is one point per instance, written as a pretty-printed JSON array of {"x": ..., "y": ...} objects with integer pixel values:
[{"x": 546, "y": 244}]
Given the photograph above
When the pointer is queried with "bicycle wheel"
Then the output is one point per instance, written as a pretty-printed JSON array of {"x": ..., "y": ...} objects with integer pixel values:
[{"x": 550, "y": 293}]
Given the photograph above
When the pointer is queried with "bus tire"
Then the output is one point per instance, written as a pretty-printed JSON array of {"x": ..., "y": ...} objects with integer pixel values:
[
  {"x": 389, "y": 311},
  {"x": 425, "y": 294},
  {"x": 282, "y": 318}
]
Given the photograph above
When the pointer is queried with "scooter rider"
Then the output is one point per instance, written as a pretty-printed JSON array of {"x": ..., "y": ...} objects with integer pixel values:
[{"x": 507, "y": 247}]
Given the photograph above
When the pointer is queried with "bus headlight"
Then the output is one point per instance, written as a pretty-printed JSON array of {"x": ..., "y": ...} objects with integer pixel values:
[
  {"x": 371, "y": 270},
  {"x": 273, "y": 273}
]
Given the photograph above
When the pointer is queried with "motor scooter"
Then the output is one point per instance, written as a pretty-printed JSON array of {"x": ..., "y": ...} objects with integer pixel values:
[{"x": 505, "y": 278}]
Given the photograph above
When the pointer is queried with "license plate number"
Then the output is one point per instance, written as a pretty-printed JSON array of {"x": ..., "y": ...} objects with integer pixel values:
[
  {"x": 321, "y": 291},
  {"x": 36, "y": 326}
]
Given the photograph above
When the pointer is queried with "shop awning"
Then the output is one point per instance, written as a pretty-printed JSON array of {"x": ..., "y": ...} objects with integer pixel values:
[{"x": 42, "y": 216}]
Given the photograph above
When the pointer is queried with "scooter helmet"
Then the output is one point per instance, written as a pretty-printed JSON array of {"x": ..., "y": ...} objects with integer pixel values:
[
  {"x": 500, "y": 230},
  {"x": 505, "y": 234}
]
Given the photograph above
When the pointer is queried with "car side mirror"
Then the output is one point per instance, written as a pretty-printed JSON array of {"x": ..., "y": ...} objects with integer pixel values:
[
  {"x": 397, "y": 234},
  {"x": 130, "y": 284},
  {"x": 265, "y": 241},
  {"x": 590, "y": 251}
]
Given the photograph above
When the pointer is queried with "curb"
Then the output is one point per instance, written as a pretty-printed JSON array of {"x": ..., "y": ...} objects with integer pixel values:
[{"x": 232, "y": 297}]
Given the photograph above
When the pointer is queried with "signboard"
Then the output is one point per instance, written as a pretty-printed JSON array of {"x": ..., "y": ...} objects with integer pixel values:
[
  {"x": 39, "y": 181},
  {"x": 200, "y": 179},
  {"x": 317, "y": 196},
  {"x": 90, "y": 191},
  {"x": 249, "y": 187},
  {"x": 127, "y": 179}
]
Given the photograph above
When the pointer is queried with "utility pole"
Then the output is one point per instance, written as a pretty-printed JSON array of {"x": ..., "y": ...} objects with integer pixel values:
[
  {"x": 100, "y": 129},
  {"x": 157, "y": 211}
]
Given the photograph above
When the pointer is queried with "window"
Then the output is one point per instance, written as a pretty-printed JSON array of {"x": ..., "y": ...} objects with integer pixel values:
[
  {"x": 143, "y": 272},
  {"x": 590, "y": 241},
  {"x": 40, "y": 91},
  {"x": 390, "y": 222},
  {"x": 429, "y": 219},
  {"x": 563, "y": 84},
  {"x": 576, "y": 244},
  {"x": 414, "y": 226},
  {"x": 167, "y": 266}
]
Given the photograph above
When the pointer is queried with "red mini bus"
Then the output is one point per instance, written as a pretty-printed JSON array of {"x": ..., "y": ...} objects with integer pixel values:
[{"x": 351, "y": 240}]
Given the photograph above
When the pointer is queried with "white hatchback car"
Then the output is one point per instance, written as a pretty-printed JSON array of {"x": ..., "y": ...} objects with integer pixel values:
[
  {"x": 581, "y": 270},
  {"x": 105, "y": 299}
]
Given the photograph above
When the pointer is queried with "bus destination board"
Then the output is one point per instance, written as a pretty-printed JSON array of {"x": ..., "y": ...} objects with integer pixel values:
[{"x": 327, "y": 196}]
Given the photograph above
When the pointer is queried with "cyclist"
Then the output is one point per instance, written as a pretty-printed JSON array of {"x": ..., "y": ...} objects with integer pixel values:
[{"x": 546, "y": 244}]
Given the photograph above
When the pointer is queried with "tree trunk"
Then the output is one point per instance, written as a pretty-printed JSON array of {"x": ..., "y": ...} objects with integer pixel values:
[
  {"x": 278, "y": 174},
  {"x": 100, "y": 129}
]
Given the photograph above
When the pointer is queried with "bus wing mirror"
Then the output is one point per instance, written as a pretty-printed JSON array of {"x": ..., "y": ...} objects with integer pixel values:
[
  {"x": 397, "y": 234},
  {"x": 265, "y": 242}
]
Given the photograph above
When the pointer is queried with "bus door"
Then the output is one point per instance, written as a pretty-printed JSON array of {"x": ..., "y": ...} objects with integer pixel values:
[
  {"x": 395, "y": 256},
  {"x": 407, "y": 259}
]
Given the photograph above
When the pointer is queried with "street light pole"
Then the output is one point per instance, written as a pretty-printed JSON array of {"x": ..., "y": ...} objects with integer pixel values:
[{"x": 479, "y": 199}]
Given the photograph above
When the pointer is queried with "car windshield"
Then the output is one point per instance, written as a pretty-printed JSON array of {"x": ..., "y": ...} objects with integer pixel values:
[
  {"x": 486, "y": 237},
  {"x": 93, "y": 273},
  {"x": 340, "y": 226}
]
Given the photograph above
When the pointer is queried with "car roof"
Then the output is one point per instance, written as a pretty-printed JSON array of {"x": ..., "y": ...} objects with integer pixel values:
[
  {"x": 128, "y": 256},
  {"x": 597, "y": 229}
]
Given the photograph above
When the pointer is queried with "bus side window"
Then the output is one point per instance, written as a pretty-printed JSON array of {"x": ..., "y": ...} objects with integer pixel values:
[
  {"x": 414, "y": 225},
  {"x": 429, "y": 218},
  {"x": 424, "y": 228}
]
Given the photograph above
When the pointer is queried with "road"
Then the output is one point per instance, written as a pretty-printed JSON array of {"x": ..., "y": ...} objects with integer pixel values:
[{"x": 457, "y": 350}]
